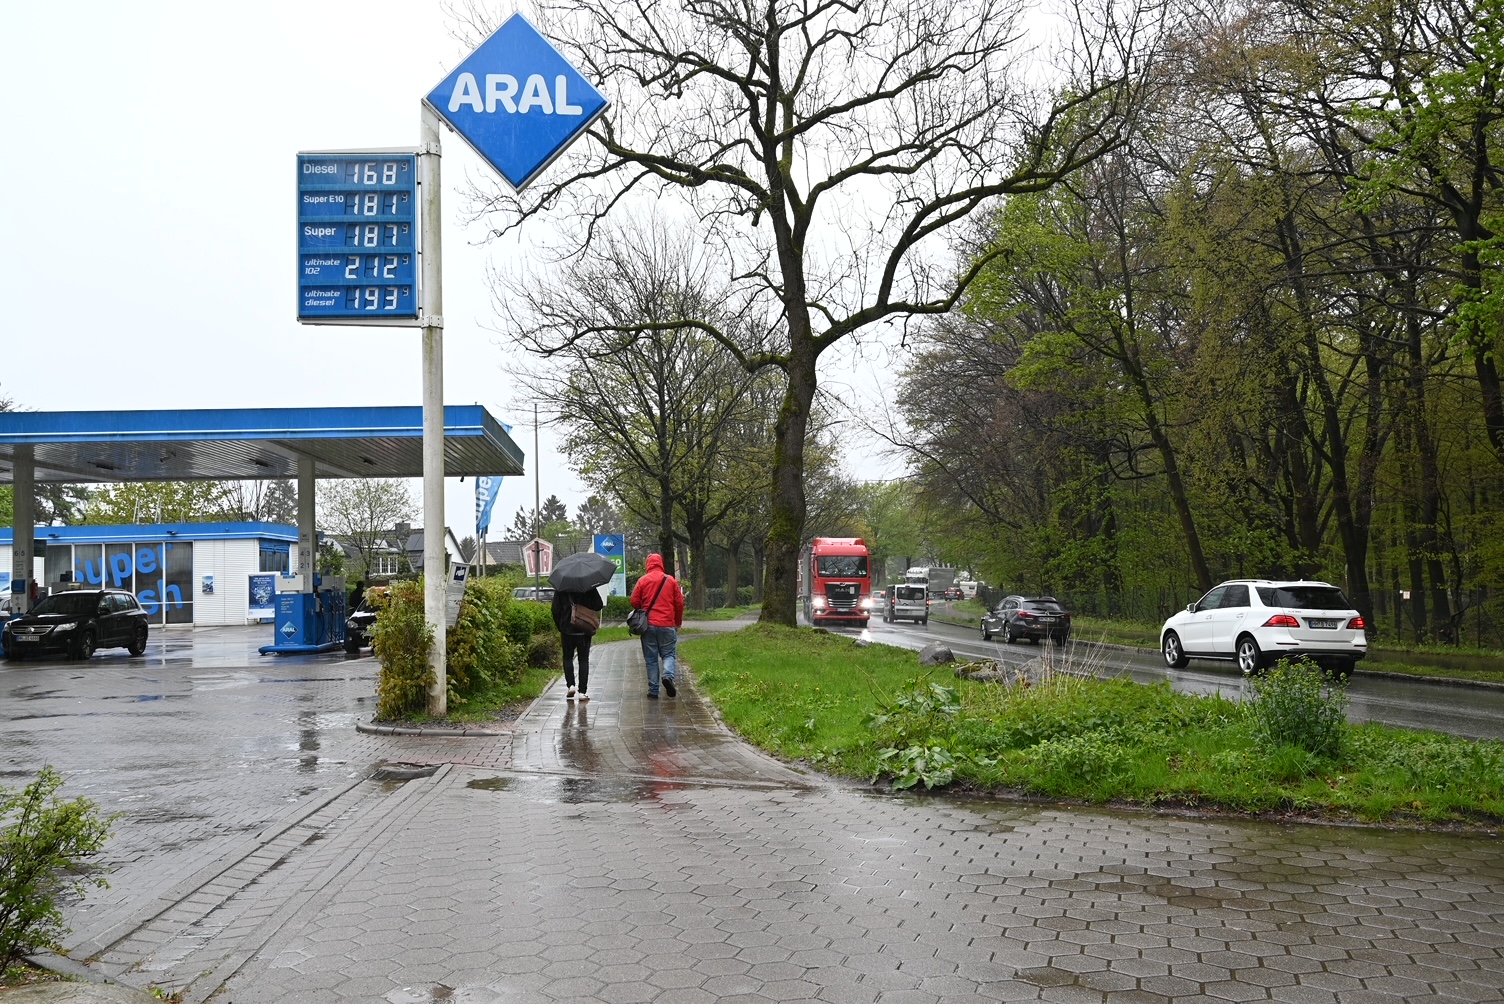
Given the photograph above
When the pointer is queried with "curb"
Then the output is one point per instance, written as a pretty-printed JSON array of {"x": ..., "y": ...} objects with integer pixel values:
[{"x": 397, "y": 730}]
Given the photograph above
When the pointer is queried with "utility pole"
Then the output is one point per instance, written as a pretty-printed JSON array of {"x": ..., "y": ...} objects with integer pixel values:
[
  {"x": 537, "y": 514},
  {"x": 432, "y": 222}
]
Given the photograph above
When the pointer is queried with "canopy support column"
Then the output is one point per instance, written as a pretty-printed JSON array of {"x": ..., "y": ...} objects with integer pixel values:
[
  {"x": 307, "y": 531},
  {"x": 23, "y": 463}
]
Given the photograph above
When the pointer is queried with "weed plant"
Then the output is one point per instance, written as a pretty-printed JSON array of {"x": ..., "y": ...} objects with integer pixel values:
[
  {"x": 45, "y": 844},
  {"x": 1068, "y": 732}
]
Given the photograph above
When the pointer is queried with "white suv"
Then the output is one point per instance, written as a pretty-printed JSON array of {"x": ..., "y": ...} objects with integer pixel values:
[{"x": 1256, "y": 621}]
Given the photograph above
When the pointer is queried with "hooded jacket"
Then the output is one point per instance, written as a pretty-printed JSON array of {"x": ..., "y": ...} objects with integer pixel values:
[{"x": 669, "y": 610}]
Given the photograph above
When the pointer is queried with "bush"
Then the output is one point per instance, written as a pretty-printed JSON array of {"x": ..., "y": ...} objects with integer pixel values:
[
  {"x": 617, "y": 608},
  {"x": 42, "y": 850},
  {"x": 480, "y": 651},
  {"x": 493, "y": 642},
  {"x": 401, "y": 639},
  {"x": 1298, "y": 704}
]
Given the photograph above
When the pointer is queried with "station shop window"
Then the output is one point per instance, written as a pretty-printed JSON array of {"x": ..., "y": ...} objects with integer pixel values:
[
  {"x": 275, "y": 557},
  {"x": 160, "y": 574}
]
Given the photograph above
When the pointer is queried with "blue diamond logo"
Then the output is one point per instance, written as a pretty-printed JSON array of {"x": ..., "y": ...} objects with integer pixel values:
[
  {"x": 517, "y": 101},
  {"x": 288, "y": 630}
]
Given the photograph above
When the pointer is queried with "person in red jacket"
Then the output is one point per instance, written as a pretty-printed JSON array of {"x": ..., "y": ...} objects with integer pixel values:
[{"x": 659, "y": 594}]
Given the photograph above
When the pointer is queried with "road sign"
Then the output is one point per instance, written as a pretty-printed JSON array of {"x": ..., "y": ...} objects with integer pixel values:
[
  {"x": 517, "y": 101},
  {"x": 358, "y": 238},
  {"x": 459, "y": 578},
  {"x": 538, "y": 556}
]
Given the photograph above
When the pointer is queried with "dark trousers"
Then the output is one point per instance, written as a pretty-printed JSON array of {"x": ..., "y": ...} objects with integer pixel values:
[{"x": 577, "y": 643}]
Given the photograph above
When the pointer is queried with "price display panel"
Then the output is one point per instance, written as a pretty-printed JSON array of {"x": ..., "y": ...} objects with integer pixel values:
[{"x": 358, "y": 238}]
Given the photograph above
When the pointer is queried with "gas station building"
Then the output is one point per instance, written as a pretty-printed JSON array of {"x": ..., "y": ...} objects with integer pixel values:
[{"x": 200, "y": 573}]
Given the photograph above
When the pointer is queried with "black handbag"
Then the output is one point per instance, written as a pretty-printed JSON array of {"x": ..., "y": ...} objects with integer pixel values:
[{"x": 637, "y": 620}]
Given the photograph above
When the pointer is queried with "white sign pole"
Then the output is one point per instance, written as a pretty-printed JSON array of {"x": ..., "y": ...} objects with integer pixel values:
[{"x": 434, "y": 580}]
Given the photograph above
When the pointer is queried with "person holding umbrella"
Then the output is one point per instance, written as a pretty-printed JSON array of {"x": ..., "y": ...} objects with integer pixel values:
[{"x": 577, "y": 612}]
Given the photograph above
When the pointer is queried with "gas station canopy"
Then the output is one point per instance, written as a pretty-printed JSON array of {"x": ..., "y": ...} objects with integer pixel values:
[{"x": 236, "y": 444}]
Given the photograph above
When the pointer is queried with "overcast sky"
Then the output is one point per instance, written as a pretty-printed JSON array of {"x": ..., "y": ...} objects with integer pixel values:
[{"x": 148, "y": 257}]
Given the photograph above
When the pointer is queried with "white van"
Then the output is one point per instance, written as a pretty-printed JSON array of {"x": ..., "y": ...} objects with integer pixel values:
[{"x": 907, "y": 601}]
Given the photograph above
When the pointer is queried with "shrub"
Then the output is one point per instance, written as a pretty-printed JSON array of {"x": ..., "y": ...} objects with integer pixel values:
[
  {"x": 617, "y": 608},
  {"x": 480, "y": 652},
  {"x": 1299, "y": 705},
  {"x": 42, "y": 850},
  {"x": 401, "y": 639}
]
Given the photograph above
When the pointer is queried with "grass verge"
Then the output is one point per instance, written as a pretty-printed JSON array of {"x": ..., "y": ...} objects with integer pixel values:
[
  {"x": 718, "y": 613},
  {"x": 871, "y": 712}
]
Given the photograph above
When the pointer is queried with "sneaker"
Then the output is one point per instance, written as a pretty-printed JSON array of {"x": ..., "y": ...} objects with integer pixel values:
[
  {"x": 584, "y": 697},
  {"x": 652, "y": 696},
  {"x": 668, "y": 685},
  {"x": 569, "y": 696}
]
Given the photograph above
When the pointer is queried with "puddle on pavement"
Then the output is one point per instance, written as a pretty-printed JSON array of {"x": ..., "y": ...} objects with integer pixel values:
[
  {"x": 578, "y": 790},
  {"x": 441, "y": 993}
]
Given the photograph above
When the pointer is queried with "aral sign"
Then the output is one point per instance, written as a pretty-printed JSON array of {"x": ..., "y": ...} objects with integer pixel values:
[{"x": 517, "y": 101}]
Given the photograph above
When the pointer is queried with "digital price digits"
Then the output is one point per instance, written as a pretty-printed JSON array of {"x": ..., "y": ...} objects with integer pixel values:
[{"x": 357, "y": 237}]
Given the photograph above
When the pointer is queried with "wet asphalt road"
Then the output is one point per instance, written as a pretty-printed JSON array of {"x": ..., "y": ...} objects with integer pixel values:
[
  {"x": 629, "y": 850},
  {"x": 1474, "y": 712}
]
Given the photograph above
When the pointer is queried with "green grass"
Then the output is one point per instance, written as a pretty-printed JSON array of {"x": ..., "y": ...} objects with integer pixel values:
[
  {"x": 483, "y": 705},
  {"x": 871, "y": 712},
  {"x": 718, "y": 613}
]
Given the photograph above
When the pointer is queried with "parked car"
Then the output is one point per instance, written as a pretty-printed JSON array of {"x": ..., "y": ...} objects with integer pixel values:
[
  {"x": 1255, "y": 621},
  {"x": 1031, "y": 617},
  {"x": 76, "y": 623},
  {"x": 543, "y": 594},
  {"x": 362, "y": 620}
]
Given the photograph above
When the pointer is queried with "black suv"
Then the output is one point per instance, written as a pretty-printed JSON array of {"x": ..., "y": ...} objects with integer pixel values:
[
  {"x": 1032, "y": 617},
  {"x": 77, "y": 622}
]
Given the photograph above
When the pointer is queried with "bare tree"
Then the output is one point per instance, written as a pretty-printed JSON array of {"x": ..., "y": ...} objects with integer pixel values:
[
  {"x": 364, "y": 512},
  {"x": 829, "y": 149},
  {"x": 650, "y": 419}
]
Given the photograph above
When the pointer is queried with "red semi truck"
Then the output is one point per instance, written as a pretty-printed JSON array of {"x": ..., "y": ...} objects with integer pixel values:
[{"x": 835, "y": 581}]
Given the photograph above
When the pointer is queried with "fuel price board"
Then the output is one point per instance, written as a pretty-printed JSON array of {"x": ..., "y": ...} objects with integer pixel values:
[{"x": 358, "y": 238}]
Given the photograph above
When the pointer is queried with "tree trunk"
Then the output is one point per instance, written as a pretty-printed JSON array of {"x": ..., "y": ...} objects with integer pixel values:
[
  {"x": 780, "y": 592},
  {"x": 733, "y": 571},
  {"x": 697, "y": 535},
  {"x": 666, "y": 525},
  {"x": 759, "y": 551}
]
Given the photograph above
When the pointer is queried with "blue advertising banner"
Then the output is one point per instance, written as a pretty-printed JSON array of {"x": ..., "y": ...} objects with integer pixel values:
[
  {"x": 486, "y": 489},
  {"x": 364, "y": 205},
  {"x": 263, "y": 597}
]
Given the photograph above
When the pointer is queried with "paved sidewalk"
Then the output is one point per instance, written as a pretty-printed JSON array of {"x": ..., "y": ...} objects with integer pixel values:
[{"x": 628, "y": 850}]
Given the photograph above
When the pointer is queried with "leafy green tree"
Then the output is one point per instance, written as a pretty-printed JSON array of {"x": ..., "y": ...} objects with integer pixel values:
[{"x": 161, "y": 502}]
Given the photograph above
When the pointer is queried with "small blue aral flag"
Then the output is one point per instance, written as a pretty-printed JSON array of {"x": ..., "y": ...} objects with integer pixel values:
[{"x": 486, "y": 490}]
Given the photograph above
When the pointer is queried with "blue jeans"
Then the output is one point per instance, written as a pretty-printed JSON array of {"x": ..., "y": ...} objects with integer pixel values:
[{"x": 660, "y": 644}]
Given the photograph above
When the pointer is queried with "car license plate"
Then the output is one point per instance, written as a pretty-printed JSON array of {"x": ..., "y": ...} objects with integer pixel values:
[
  {"x": 25, "y": 637},
  {"x": 1321, "y": 622},
  {"x": 1047, "y": 620}
]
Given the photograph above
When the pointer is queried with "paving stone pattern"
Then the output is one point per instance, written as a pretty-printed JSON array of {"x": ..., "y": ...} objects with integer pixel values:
[{"x": 628, "y": 850}]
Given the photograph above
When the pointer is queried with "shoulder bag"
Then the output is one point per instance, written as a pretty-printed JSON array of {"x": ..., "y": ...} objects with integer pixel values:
[
  {"x": 637, "y": 620},
  {"x": 583, "y": 619}
]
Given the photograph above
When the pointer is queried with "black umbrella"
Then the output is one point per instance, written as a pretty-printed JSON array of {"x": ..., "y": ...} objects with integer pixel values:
[{"x": 577, "y": 573}]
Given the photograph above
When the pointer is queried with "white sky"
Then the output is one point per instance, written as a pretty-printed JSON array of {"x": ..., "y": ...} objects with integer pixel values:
[{"x": 148, "y": 257}]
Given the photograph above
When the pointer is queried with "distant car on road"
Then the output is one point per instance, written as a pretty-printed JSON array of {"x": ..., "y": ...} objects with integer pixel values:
[
  {"x": 76, "y": 623},
  {"x": 954, "y": 593},
  {"x": 1031, "y": 617},
  {"x": 907, "y": 601},
  {"x": 1255, "y": 621}
]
